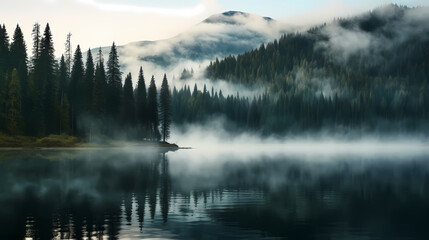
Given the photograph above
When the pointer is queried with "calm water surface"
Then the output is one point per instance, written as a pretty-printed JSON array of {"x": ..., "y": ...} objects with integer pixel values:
[{"x": 135, "y": 194}]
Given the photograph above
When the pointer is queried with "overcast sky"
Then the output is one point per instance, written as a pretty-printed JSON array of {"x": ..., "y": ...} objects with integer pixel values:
[{"x": 95, "y": 23}]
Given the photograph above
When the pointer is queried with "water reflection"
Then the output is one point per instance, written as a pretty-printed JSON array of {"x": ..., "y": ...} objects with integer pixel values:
[{"x": 134, "y": 194}]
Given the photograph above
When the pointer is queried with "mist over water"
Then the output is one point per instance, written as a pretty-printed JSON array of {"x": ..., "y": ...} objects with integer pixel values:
[
  {"x": 131, "y": 193},
  {"x": 212, "y": 138}
]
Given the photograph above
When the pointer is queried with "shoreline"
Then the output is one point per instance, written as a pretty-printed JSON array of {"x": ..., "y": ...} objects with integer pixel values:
[
  {"x": 91, "y": 146},
  {"x": 65, "y": 142}
]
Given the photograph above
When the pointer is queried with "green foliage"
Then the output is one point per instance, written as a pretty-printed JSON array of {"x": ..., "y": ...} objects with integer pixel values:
[
  {"x": 4, "y": 67},
  {"x": 99, "y": 91},
  {"x": 57, "y": 141},
  {"x": 129, "y": 113},
  {"x": 36, "y": 43},
  {"x": 114, "y": 84},
  {"x": 14, "y": 106},
  {"x": 165, "y": 109},
  {"x": 63, "y": 78},
  {"x": 75, "y": 89},
  {"x": 153, "y": 110},
  {"x": 141, "y": 103},
  {"x": 46, "y": 84},
  {"x": 65, "y": 116},
  {"x": 88, "y": 83},
  {"x": 18, "y": 58}
]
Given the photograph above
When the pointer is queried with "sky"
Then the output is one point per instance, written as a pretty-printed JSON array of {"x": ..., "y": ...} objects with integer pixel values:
[{"x": 95, "y": 23}]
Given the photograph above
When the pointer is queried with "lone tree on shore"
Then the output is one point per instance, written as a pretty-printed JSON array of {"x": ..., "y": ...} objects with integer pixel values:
[
  {"x": 165, "y": 108},
  {"x": 153, "y": 110}
]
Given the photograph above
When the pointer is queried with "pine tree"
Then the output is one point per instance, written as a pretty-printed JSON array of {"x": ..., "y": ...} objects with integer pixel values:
[
  {"x": 99, "y": 90},
  {"x": 62, "y": 97},
  {"x": 62, "y": 78},
  {"x": 36, "y": 43},
  {"x": 153, "y": 110},
  {"x": 88, "y": 84},
  {"x": 141, "y": 101},
  {"x": 46, "y": 85},
  {"x": 114, "y": 84},
  {"x": 165, "y": 109},
  {"x": 4, "y": 67},
  {"x": 52, "y": 107},
  {"x": 14, "y": 104},
  {"x": 195, "y": 91},
  {"x": 75, "y": 92},
  {"x": 4, "y": 51},
  {"x": 18, "y": 60},
  {"x": 68, "y": 54},
  {"x": 18, "y": 57},
  {"x": 129, "y": 113}
]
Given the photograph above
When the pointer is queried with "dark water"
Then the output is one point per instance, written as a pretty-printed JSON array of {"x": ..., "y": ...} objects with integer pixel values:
[{"x": 130, "y": 194}]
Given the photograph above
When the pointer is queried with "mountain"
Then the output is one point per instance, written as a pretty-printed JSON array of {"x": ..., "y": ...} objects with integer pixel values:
[
  {"x": 369, "y": 72},
  {"x": 219, "y": 35},
  {"x": 390, "y": 42}
]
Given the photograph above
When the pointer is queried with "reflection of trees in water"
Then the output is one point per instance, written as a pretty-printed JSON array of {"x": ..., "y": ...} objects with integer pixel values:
[
  {"x": 81, "y": 198},
  {"x": 165, "y": 189},
  {"x": 84, "y": 198}
]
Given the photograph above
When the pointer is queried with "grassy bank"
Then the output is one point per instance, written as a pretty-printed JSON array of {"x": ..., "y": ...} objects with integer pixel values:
[
  {"x": 66, "y": 141},
  {"x": 32, "y": 142}
]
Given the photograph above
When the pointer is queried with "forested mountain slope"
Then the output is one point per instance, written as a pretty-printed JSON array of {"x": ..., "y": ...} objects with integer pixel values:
[
  {"x": 387, "y": 46},
  {"x": 367, "y": 72}
]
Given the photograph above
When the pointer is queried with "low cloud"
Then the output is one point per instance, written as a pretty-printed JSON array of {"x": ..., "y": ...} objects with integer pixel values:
[
  {"x": 128, "y": 8},
  {"x": 218, "y": 36},
  {"x": 394, "y": 26}
]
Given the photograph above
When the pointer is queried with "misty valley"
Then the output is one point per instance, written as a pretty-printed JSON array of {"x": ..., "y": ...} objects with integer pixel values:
[{"x": 240, "y": 127}]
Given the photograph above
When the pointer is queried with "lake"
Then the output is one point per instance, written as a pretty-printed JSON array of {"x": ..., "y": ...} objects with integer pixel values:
[{"x": 132, "y": 193}]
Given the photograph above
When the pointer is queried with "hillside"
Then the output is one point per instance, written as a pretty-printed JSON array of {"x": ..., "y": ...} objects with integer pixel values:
[
  {"x": 367, "y": 73},
  {"x": 219, "y": 35},
  {"x": 391, "y": 42}
]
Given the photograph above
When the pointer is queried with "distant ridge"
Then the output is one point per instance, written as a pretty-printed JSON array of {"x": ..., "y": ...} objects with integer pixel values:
[
  {"x": 220, "y": 35},
  {"x": 229, "y": 17}
]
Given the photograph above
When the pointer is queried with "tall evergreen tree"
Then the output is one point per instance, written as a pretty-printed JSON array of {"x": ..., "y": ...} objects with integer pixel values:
[
  {"x": 46, "y": 87},
  {"x": 62, "y": 78},
  {"x": 165, "y": 109},
  {"x": 99, "y": 90},
  {"x": 153, "y": 110},
  {"x": 18, "y": 58},
  {"x": 68, "y": 54},
  {"x": 129, "y": 113},
  {"x": 62, "y": 97},
  {"x": 36, "y": 43},
  {"x": 46, "y": 67},
  {"x": 88, "y": 84},
  {"x": 36, "y": 87},
  {"x": 141, "y": 101},
  {"x": 75, "y": 92},
  {"x": 14, "y": 104},
  {"x": 4, "y": 51},
  {"x": 114, "y": 84},
  {"x": 4, "y": 67}
]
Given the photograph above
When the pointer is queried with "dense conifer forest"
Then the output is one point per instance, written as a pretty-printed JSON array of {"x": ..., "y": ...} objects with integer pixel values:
[
  {"x": 40, "y": 96},
  {"x": 311, "y": 85},
  {"x": 308, "y": 86}
]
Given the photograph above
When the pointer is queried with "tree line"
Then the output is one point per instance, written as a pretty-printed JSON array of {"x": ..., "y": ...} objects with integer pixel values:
[
  {"x": 41, "y": 96},
  {"x": 298, "y": 113},
  {"x": 308, "y": 87}
]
